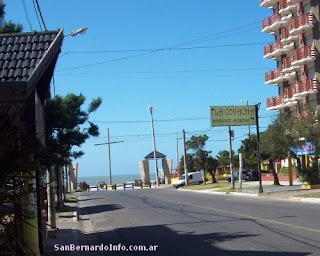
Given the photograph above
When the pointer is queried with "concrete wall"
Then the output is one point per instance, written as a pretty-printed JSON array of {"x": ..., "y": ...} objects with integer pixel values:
[
  {"x": 73, "y": 175},
  {"x": 144, "y": 171},
  {"x": 166, "y": 168}
]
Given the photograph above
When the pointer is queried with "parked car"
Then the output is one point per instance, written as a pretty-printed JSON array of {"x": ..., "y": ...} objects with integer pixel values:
[
  {"x": 245, "y": 175},
  {"x": 254, "y": 175},
  {"x": 193, "y": 178}
]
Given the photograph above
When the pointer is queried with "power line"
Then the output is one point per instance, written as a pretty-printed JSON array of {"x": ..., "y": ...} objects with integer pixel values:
[
  {"x": 163, "y": 120},
  {"x": 27, "y": 14},
  {"x": 37, "y": 15},
  {"x": 39, "y": 10},
  {"x": 209, "y": 37},
  {"x": 199, "y": 40},
  {"x": 170, "y": 72},
  {"x": 164, "y": 49}
]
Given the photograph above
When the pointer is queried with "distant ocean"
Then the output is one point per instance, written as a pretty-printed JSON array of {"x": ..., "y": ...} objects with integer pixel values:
[{"x": 116, "y": 179}]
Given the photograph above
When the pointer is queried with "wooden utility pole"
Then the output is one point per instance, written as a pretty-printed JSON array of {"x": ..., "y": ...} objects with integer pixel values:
[
  {"x": 185, "y": 157},
  {"x": 109, "y": 153},
  {"x": 230, "y": 155}
]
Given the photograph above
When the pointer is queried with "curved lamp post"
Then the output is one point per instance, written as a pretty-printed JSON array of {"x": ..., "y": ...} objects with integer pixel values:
[{"x": 154, "y": 147}]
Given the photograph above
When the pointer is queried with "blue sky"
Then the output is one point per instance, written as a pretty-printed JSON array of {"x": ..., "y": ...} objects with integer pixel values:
[{"x": 178, "y": 56}]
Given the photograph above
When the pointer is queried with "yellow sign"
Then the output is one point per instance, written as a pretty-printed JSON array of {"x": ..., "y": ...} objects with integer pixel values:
[{"x": 232, "y": 115}]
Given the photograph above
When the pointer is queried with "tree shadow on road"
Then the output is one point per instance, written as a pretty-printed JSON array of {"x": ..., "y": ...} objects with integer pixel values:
[
  {"x": 163, "y": 241},
  {"x": 101, "y": 208}
]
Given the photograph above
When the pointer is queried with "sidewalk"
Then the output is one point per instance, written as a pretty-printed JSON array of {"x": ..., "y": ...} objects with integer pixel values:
[
  {"x": 284, "y": 192},
  {"x": 67, "y": 232}
]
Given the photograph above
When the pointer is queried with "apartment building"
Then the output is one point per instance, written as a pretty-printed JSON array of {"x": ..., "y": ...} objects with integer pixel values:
[{"x": 294, "y": 24}]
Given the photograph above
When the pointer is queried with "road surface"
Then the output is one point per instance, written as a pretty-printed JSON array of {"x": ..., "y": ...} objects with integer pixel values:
[{"x": 171, "y": 222}]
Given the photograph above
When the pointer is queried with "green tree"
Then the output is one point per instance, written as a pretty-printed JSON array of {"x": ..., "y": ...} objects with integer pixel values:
[
  {"x": 211, "y": 166},
  {"x": 7, "y": 26},
  {"x": 189, "y": 162},
  {"x": 277, "y": 141},
  {"x": 308, "y": 129},
  {"x": 196, "y": 144},
  {"x": 68, "y": 125},
  {"x": 199, "y": 158},
  {"x": 249, "y": 151},
  {"x": 223, "y": 158}
]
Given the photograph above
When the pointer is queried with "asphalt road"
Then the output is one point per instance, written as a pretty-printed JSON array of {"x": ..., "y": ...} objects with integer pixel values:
[{"x": 186, "y": 223}]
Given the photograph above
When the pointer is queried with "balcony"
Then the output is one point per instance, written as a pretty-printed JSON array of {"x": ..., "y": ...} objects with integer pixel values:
[
  {"x": 286, "y": 37},
  {"x": 272, "y": 51},
  {"x": 280, "y": 102},
  {"x": 286, "y": 8},
  {"x": 277, "y": 76},
  {"x": 273, "y": 23},
  {"x": 304, "y": 88},
  {"x": 268, "y": 3},
  {"x": 274, "y": 102},
  {"x": 287, "y": 66},
  {"x": 294, "y": 1},
  {"x": 301, "y": 24},
  {"x": 303, "y": 55}
]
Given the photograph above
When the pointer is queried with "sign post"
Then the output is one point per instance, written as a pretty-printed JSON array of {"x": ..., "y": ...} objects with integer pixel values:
[
  {"x": 238, "y": 116},
  {"x": 258, "y": 148}
]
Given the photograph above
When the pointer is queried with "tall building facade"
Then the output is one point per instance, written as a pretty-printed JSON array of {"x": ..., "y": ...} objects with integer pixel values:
[{"x": 295, "y": 27}]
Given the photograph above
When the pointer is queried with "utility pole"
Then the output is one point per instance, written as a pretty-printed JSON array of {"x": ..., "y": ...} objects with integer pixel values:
[
  {"x": 230, "y": 155},
  {"x": 257, "y": 106},
  {"x": 51, "y": 199},
  {"x": 185, "y": 157},
  {"x": 154, "y": 147},
  {"x": 177, "y": 150},
  {"x": 240, "y": 171},
  {"x": 109, "y": 153}
]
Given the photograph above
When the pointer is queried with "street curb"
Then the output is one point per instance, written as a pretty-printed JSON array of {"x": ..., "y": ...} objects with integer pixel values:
[
  {"x": 296, "y": 199},
  {"x": 244, "y": 194},
  {"x": 86, "y": 221},
  {"x": 306, "y": 200}
]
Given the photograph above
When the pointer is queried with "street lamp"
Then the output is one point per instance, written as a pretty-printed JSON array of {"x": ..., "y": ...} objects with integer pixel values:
[
  {"x": 154, "y": 147},
  {"x": 247, "y": 105},
  {"x": 77, "y": 31}
]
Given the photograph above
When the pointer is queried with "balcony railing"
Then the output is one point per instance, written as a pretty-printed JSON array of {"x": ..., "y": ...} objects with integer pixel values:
[
  {"x": 273, "y": 102},
  {"x": 276, "y": 76},
  {"x": 301, "y": 24},
  {"x": 286, "y": 37},
  {"x": 287, "y": 66},
  {"x": 303, "y": 55},
  {"x": 281, "y": 101},
  {"x": 276, "y": 49},
  {"x": 287, "y": 96},
  {"x": 304, "y": 88},
  {"x": 268, "y": 3},
  {"x": 273, "y": 23},
  {"x": 286, "y": 8}
]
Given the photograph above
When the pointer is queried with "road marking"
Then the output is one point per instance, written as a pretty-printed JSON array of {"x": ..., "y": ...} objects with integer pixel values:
[{"x": 250, "y": 217}]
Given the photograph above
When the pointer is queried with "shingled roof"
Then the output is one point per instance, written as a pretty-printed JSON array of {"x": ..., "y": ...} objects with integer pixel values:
[
  {"x": 158, "y": 155},
  {"x": 23, "y": 56}
]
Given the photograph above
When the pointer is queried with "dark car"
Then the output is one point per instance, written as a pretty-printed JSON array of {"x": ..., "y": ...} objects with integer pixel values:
[
  {"x": 248, "y": 175},
  {"x": 245, "y": 176},
  {"x": 254, "y": 175}
]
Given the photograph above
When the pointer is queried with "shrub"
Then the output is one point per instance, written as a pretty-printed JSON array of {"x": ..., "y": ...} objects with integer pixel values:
[
  {"x": 284, "y": 170},
  {"x": 311, "y": 175}
]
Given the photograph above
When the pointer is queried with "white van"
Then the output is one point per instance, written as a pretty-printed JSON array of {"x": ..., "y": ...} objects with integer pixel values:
[{"x": 193, "y": 178}]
